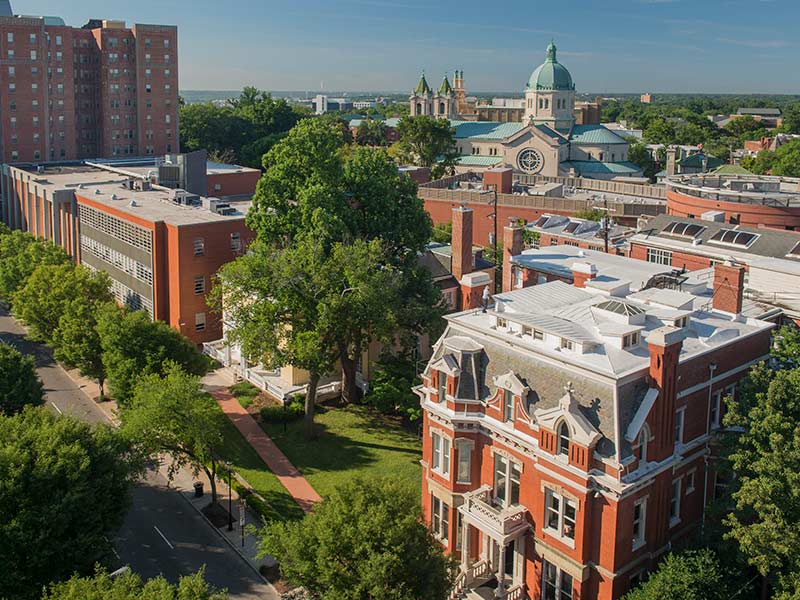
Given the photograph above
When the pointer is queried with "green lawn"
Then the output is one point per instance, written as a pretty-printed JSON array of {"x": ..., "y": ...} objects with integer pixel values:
[
  {"x": 245, "y": 392},
  {"x": 249, "y": 465},
  {"x": 353, "y": 441}
]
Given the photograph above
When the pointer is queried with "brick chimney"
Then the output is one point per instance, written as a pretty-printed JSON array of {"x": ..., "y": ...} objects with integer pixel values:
[
  {"x": 728, "y": 292},
  {"x": 582, "y": 272},
  {"x": 670, "y": 162},
  {"x": 472, "y": 289},
  {"x": 512, "y": 246},
  {"x": 463, "y": 261},
  {"x": 664, "y": 345},
  {"x": 500, "y": 179}
]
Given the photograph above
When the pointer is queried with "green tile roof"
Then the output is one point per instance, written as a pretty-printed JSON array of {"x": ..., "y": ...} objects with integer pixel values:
[
  {"x": 479, "y": 161},
  {"x": 696, "y": 161},
  {"x": 594, "y": 134},
  {"x": 552, "y": 133},
  {"x": 486, "y": 130},
  {"x": 732, "y": 170},
  {"x": 595, "y": 166},
  {"x": 551, "y": 74},
  {"x": 445, "y": 88}
]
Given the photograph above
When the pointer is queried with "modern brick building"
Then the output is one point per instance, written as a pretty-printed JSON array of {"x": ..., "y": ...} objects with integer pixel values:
[
  {"x": 160, "y": 246},
  {"x": 103, "y": 89},
  {"x": 771, "y": 257},
  {"x": 753, "y": 200},
  {"x": 568, "y": 431}
]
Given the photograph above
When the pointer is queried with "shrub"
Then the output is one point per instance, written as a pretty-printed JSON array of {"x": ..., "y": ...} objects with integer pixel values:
[
  {"x": 278, "y": 414},
  {"x": 245, "y": 392},
  {"x": 390, "y": 392}
]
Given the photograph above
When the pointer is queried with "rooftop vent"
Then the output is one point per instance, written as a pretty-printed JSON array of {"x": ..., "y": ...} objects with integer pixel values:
[
  {"x": 114, "y": 197},
  {"x": 97, "y": 192}
]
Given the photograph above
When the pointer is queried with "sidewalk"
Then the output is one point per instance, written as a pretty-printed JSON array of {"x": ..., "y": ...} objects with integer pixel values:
[
  {"x": 302, "y": 492},
  {"x": 183, "y": 483}
]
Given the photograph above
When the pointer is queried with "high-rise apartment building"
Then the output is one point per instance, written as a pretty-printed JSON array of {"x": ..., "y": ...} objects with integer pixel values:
[{"x": 100, "y": 90}]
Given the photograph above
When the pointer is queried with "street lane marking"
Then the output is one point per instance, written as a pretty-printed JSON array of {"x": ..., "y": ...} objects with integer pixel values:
[
  {"x": 58, "y": 410},
  {"x": 163, "y": 537}
]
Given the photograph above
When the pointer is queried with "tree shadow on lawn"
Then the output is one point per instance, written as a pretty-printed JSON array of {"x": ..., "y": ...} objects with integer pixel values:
[{"x": 348, "y": 444}]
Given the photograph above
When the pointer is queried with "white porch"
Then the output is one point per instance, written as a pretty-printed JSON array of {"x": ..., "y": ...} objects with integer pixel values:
[{"x": 498, "y": 570}]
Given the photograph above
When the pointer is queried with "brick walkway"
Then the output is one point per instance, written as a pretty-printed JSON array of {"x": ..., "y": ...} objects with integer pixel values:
[{"x": 287, "y": 474}]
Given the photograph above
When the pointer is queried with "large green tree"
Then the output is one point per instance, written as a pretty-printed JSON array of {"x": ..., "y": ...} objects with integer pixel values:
[
  {"x": 689, "y": 575},
  {"x": 172, "y": 414},
  {"x": 134, "y": 345},
  {"x": 20, "y": 255},
  {"x": 51, "y": 289},
  {"x": 371, "y": 132},
  {"x": 77, "y": 340},
  {"x": 19, "y": 384},
  {"x": 129, "y": 586},
  {"x": 427, "y": 142},
  {"x": 64, "y": 491},
  {"x": 639, "y": 155},
  {"x": 765, "y": 458},
  {"x": 275, "y": 299},
  {"x": 366, "y": 541}
]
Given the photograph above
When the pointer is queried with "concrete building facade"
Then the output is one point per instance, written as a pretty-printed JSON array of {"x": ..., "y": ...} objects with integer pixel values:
[{"x": 103, "y": 89}]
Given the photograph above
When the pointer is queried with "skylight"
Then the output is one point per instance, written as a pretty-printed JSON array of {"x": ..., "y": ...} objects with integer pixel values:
[
  {"x": 620, "y": 308},
  {"x": 691, "y": 230},
  {"x": 540, "y": 222},
  {"x": 795, "y": 251},
  {"x": 571, "y": 227},
  {"x": 734, "y": 237}
]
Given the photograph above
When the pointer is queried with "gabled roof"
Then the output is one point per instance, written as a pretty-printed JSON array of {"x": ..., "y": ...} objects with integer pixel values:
[
  {"x": 511, "y": 382},
  {"x": 594, "y": 134},
  {"x": 445, "y": 88},
  {"x": 568, "y": 411},
  {"x": 487, "y": 130},
  {"x": 595, "y": 166}
]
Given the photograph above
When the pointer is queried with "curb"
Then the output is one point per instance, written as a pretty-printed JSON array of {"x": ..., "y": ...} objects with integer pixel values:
[{"x": 227, "y": 541}]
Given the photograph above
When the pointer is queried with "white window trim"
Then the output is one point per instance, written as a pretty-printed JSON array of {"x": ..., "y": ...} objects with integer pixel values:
[
  {"x": 443, "y": 469},
  {"x": 691, "y": 476},
  {"x": 676, "y": 519},
  {"x": 642, "y": 540},
  {"x": 562, "y": 503},
  {"x": 444, "y": 538},
  {"x": 680, "y": 417},
  {"x": 464, "y": 447}
]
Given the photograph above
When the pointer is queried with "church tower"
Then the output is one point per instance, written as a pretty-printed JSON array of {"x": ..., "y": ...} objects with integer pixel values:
[
  {"x": 550, "y": 94},
  {"x": 444, "y": 101},
  {"x": 421, "y": 99},
  {"x": 461, "y": 93}
]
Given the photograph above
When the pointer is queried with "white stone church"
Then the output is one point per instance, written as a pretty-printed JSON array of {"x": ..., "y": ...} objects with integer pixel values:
[{"x": 546, "y": 142}]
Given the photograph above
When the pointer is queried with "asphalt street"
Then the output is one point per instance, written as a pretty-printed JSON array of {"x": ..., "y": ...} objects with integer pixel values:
[{"x": 163, "y": 534}]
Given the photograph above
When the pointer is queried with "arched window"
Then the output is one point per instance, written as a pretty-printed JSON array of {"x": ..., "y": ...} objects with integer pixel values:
[
  {"x": 541, "y": 103},
  {"x": 547, "y": 102},
  {"x": 419, "y": 108},
  {"x": 563, "y": 439},
  {"x": 441, "y": 108}
]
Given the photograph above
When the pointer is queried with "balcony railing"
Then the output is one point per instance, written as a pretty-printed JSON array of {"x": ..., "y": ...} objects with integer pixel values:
[{"x": 504, "y": 520}]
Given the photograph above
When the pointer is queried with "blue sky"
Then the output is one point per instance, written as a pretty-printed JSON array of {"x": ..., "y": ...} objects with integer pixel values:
[{"x": 683, "y": 46}]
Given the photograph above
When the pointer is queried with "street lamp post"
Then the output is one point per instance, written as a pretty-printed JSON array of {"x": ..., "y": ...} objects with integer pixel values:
[{"x": 230, "y": 499}]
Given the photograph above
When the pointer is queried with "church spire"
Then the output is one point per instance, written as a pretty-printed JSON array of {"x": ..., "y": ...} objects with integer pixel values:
[{"x": 422, "y": 86}]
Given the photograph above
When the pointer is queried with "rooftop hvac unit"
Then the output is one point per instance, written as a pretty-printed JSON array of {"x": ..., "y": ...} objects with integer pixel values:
[{"x": 142, "y": 185}]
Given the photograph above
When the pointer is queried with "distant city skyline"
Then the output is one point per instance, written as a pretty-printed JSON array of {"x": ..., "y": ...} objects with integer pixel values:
[{"x": 618, "y": 46}]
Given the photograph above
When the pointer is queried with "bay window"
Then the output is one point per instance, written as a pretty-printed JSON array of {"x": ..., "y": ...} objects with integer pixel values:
[{"x": 556, "y": 584}]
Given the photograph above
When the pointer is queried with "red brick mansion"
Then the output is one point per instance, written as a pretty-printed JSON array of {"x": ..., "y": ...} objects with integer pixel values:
[{"x": 568, "y": 428}]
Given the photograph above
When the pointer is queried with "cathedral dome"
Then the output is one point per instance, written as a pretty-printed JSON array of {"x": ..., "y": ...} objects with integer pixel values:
[{"x": 551, "y": 75}]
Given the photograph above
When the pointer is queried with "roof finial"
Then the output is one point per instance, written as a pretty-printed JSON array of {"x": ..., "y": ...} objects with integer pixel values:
[{"x": 551, "y": 51}]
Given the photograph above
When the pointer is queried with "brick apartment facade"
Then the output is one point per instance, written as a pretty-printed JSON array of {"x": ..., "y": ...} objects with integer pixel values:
[
  {"x": 70, "y": 93},
  {"x": 569, "y": 432},
  {"x": 161, "y": 255}
]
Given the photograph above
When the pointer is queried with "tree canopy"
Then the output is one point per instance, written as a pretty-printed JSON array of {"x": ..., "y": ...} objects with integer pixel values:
[
  {"x": 20, "y": 255},
  {"x": 19, "y": 384},
  {"x": 689, "y": 575},
  {"x": 64, "y": 490},
  {"x": 51, "y": 289},
  {"x": 130, "y": 586},
  {"x": 241, "y": 131},
  {"x": 765, "y": 522},
  {"x": 134, "y": 345},
  {"x": 785, "y": 161},
  {"x": 371, "y": 132},
  {"x": 366, "y": 541},
  {"x": 427, "y": 142},
  {"x": 172, "y": 414}
]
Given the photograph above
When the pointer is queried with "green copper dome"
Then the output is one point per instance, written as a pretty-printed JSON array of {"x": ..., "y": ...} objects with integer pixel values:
[{"x": 551, "y": 75}]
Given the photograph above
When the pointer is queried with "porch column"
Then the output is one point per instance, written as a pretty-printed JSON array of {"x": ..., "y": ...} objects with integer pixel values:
[
  {"x": 464, "y": 544},
  {"x": 500, "y": 592}
]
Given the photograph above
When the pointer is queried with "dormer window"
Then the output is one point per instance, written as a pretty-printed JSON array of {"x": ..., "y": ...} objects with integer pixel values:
[
  {"x": 442, "y": 377},
  {"x": 563, "y": 439},
  {"x": 567, "y": 344},
  {"x": 681, "y": 323},
  {"x": 501, "y": 323},
  {"x": 508, "y": 406},
  {"x": 630, "y": 340}
]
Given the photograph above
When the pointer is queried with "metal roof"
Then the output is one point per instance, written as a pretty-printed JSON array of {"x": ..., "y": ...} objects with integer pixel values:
[
  {"x": 595, "y": 166},
  {"x": 479, "y": 161},
  {"x": 594, "y": 134},
  {"x": 486, "y": 130}
]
